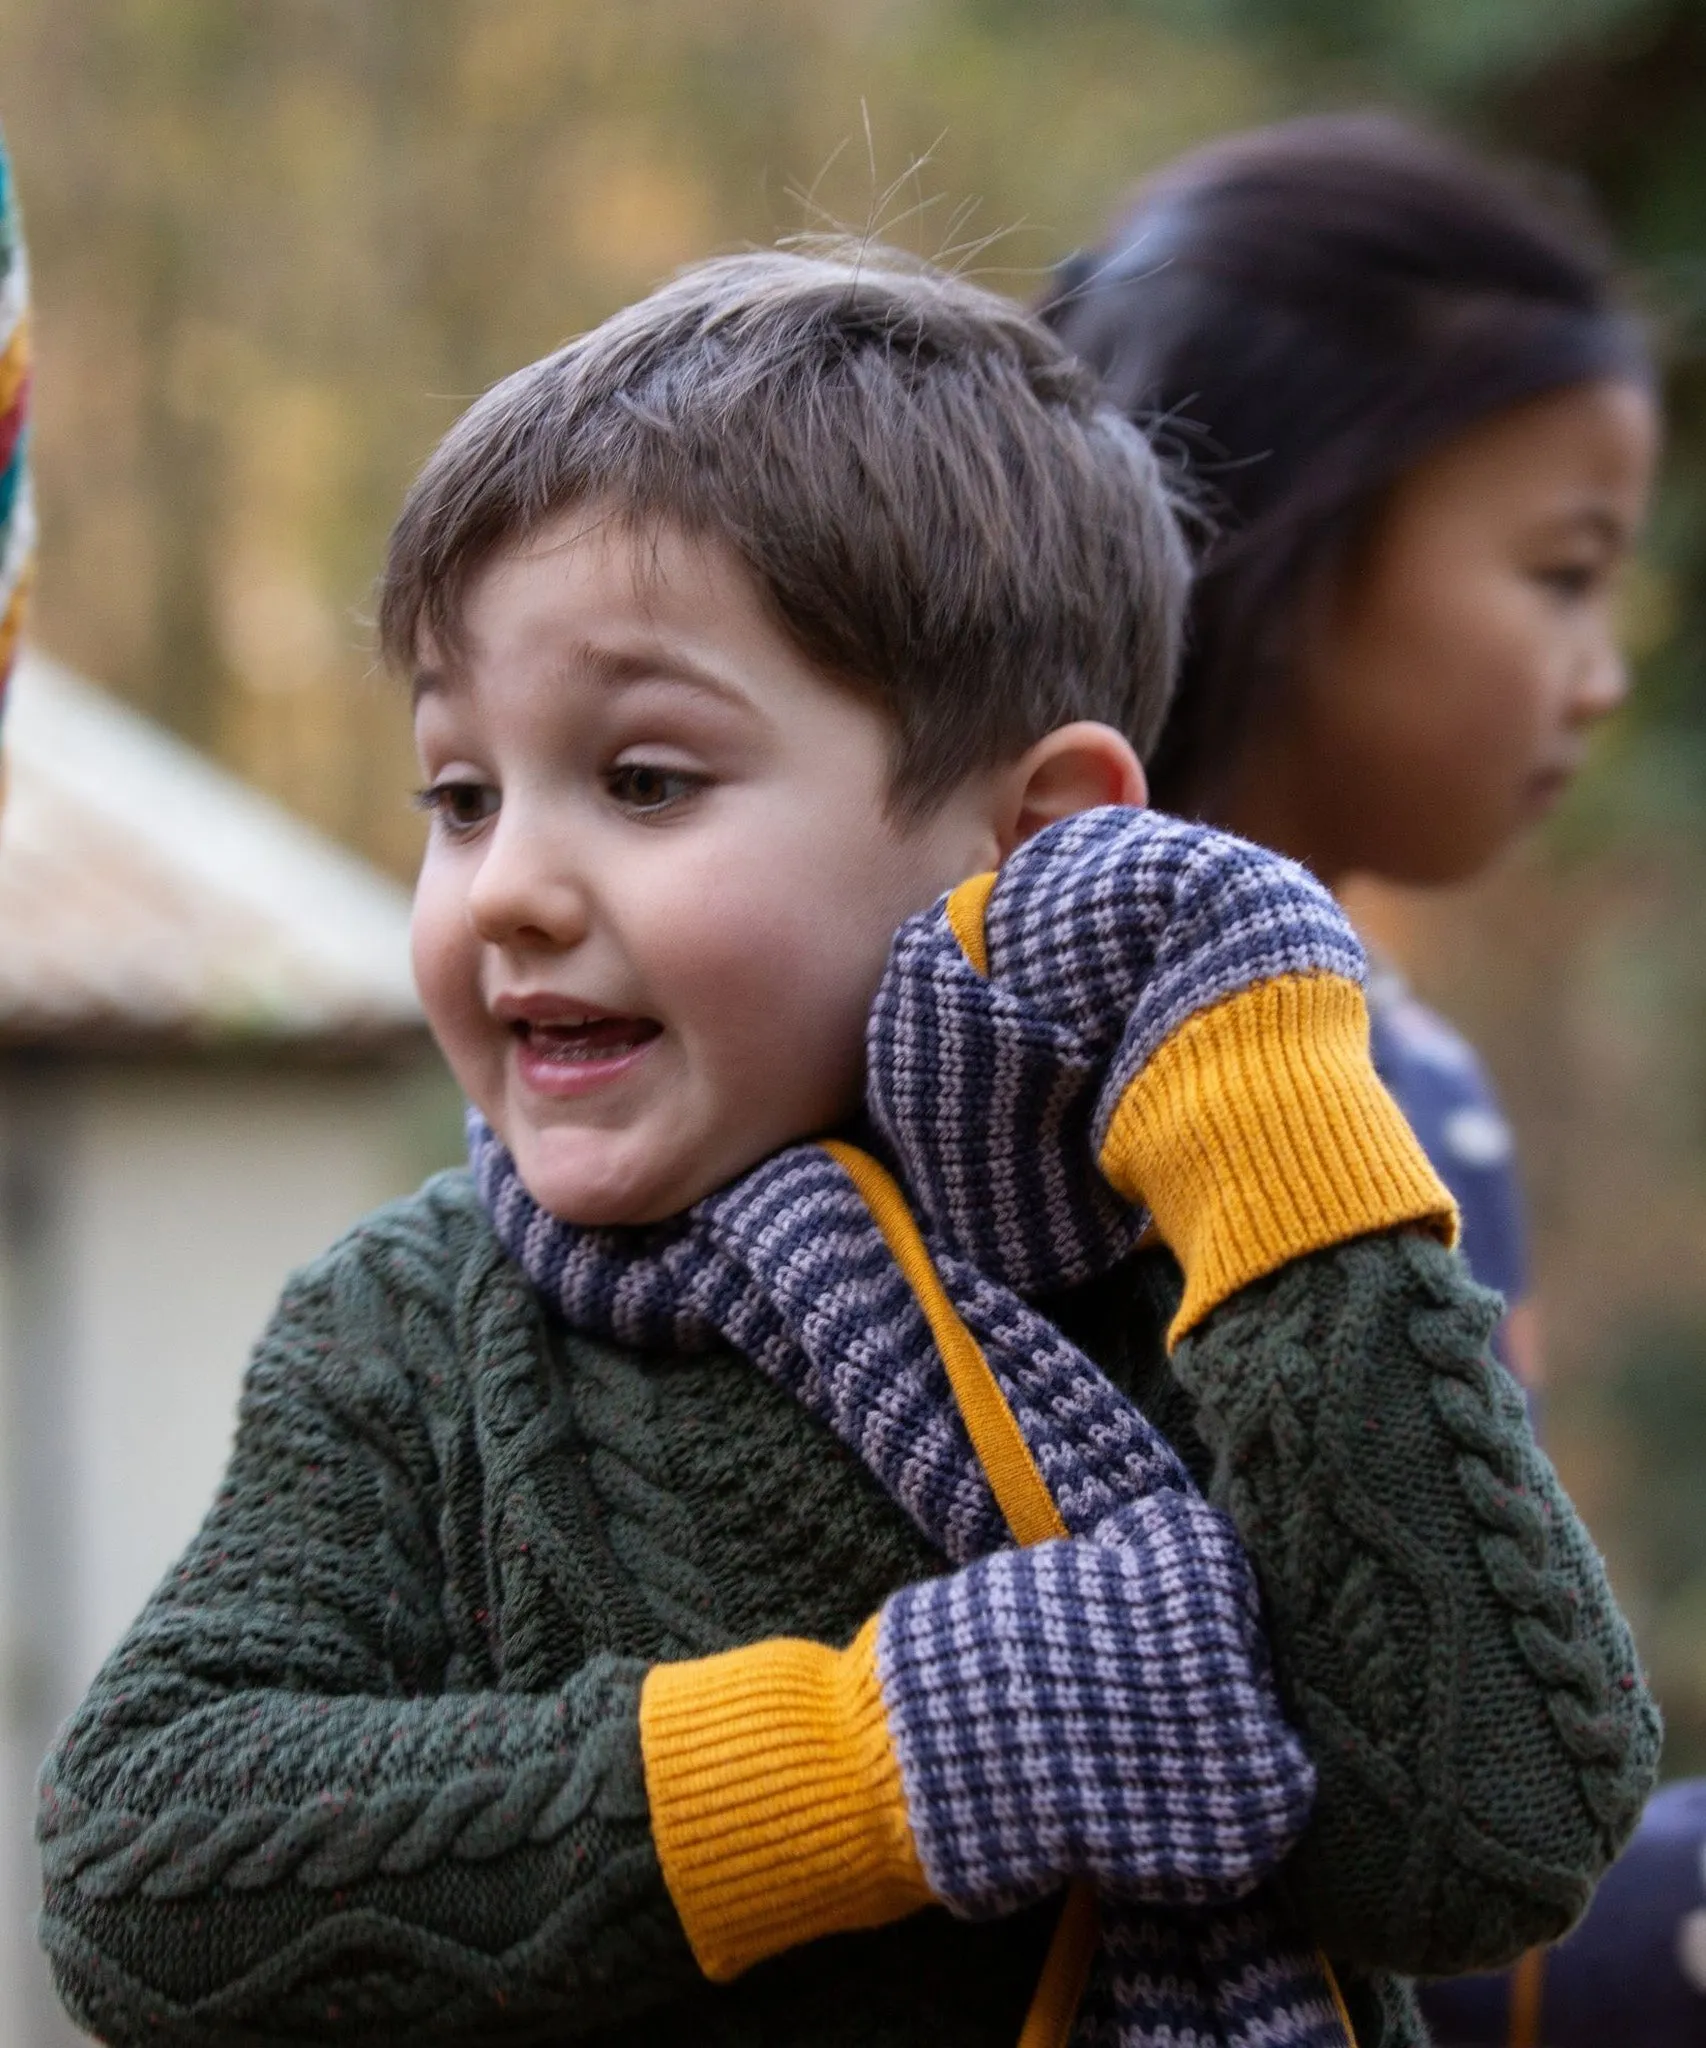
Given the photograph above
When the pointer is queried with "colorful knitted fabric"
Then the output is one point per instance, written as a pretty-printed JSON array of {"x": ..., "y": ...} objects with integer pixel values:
[
  {"x": 1062, "y": 1712},
  {"x": 17, "y": 510}
]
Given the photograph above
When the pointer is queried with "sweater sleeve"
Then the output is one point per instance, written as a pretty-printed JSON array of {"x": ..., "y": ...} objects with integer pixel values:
[
  {"x": 296, "y": 1804},
  {"x": 1443, "y": 1633}
]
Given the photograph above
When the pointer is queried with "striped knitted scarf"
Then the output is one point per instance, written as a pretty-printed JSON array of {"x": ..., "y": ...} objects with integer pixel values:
[{"x": 999, "y": 1058}]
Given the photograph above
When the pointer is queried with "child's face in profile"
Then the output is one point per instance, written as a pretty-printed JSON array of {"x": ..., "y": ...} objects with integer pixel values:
[
  {"x": 1466, "y": 651},
  {"x": 661, "y": 878}
]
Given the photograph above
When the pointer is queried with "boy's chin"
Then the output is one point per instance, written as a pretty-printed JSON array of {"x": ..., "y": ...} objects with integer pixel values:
[
  {"x": 621, "y": 1193},
  {"x": 598, "y": 1207},
  {"x": 620, "y": 1188}
]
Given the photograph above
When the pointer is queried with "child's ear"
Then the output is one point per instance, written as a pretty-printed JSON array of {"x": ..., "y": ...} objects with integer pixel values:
[{"x": 1074, "y": 768}]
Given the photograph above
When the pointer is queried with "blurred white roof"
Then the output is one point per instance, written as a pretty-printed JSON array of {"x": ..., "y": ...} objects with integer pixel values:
[{"x": 145, "y": 893}]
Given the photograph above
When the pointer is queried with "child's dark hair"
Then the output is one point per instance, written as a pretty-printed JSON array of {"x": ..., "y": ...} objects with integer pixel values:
[
  {"x": 930, "y": 492},
  {"x": 1310, "y": 309}
]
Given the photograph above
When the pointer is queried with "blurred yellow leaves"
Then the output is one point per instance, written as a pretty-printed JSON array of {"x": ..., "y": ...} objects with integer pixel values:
[
  {"x": 278, "y": 631},
  {"x": 611, "y": 203},
  {"x": 1649, "y": 609}
]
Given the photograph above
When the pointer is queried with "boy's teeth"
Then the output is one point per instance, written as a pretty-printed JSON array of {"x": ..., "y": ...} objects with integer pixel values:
[{"x": 600, "y": 1038}]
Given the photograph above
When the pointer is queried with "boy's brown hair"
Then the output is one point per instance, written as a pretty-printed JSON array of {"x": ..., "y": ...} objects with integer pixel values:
[{"x": 927, "y": 489}]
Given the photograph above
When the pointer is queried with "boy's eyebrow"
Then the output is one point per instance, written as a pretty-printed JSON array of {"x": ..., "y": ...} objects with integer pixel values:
[
  {"x": 426, "y": 682},
  {"x": 618, "y": 667}
]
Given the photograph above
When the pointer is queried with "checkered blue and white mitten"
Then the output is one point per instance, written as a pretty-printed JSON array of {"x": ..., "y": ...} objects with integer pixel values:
[
  {"x": 1093, "y": 1707},
  {"x": 1140, "y": 1015}
]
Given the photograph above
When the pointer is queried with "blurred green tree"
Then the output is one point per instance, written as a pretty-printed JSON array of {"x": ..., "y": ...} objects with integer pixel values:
[{"x": 1658, "y": 1395}]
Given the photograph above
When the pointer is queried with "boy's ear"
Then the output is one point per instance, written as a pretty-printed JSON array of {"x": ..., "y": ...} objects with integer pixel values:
[{"x": 1074, "y": 768}]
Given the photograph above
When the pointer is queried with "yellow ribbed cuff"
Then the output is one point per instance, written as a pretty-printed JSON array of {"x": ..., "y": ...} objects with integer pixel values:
[
  {"x": 1260, "y": 1131},
  {"x": 967, "y": 911},
  {"x": 776, "y": 1801}
]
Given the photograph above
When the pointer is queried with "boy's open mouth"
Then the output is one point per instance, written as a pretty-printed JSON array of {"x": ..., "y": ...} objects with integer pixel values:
[{"x": 587, "y": 1043}]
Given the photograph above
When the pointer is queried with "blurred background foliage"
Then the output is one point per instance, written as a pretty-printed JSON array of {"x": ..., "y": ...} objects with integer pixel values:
[{"x": 279, "y": 243}]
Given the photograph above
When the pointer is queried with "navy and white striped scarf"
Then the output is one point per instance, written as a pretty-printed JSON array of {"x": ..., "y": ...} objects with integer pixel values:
[{"x": 987, "y": 1106}]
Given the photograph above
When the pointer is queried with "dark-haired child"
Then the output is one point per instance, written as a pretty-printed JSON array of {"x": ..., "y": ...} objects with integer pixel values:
[
  {"x": 656, "y": 1575},
  {"x": 1414, "y": 391}
]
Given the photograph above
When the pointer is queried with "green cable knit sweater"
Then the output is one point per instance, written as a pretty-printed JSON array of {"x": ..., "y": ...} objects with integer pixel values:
[{"x": 367, "y": 1767}]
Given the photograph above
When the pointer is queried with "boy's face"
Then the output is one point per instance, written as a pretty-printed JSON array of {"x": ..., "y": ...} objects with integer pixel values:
[{"x": 661, "y": 880}]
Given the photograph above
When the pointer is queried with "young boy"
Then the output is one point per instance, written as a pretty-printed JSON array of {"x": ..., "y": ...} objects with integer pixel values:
[{"x": 495, "y": 1700}]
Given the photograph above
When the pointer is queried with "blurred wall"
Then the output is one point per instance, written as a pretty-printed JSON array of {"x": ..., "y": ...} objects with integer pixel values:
[{"x": 151, "y": 1210}]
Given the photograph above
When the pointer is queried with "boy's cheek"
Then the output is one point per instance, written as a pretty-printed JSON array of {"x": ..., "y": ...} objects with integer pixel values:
[
  {"x": 790, "y": 1055},
  {"x": 432, "y": 983},
  {"x": 447, "y": 980}
]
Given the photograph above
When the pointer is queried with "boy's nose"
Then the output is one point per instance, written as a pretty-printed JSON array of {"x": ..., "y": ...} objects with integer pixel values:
[{"x": 526, "y": 892}]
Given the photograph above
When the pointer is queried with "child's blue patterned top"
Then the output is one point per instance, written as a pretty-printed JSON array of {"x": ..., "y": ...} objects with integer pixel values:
[{"x": 1443, "y": 1090}]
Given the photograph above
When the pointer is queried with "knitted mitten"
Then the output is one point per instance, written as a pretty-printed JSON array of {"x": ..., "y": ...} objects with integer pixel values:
[
  {"x": 1092, "y": 1707},
  {"x": 1165, "y": 1003}
]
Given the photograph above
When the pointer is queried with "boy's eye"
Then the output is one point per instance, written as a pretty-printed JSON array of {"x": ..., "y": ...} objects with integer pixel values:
[
  {"x": 458, "y": 806},
  {"x": 644, "y": 786}
]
